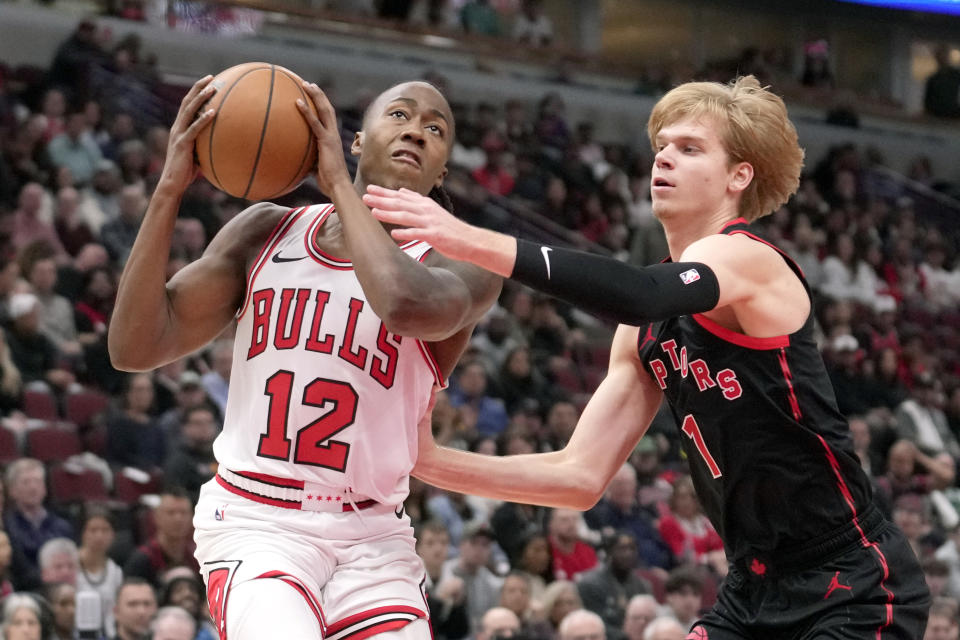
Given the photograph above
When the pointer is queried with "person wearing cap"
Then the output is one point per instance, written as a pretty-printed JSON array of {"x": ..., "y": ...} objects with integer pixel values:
[
  {"x": 481, "y": 586},
  {"x": 33, "y": 353}
]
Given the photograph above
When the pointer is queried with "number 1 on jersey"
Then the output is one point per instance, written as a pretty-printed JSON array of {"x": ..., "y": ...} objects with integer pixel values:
[
  {"x": 276, "y": 445},
  {"x": 692, "y": 429}
]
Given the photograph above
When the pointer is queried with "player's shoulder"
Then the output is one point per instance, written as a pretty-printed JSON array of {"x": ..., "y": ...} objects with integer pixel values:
[
  {"x": 744, "y": 250},
  {"x": 248, "y": 230}
]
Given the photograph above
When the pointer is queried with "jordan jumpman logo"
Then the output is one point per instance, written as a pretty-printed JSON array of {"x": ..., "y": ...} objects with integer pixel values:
[{"x": 835, "y": 584}]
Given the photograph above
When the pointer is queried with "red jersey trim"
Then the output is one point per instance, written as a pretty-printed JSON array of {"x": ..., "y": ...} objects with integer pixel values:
[
  {"x": 432, "y": 363},
  {"x": 276, "y": 481},
  {"x": 278, "y": 232},
  {"x": 739, "y": 339},
  {"x": 373, "y": 621},
  {"x": 733, "y": 222},
  {"x": 788, "y": 378},
  {"x": 855, "y": 520},
  {"x": 303, "y": 590}
]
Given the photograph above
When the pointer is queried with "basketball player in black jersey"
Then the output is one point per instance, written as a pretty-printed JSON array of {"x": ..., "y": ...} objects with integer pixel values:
[{"x": 724, "y": 330}]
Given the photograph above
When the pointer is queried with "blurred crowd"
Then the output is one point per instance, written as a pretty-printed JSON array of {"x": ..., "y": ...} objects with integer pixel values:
[{"x": 101, "y": 468}]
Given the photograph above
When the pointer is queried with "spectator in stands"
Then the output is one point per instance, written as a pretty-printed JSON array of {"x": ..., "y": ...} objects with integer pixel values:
[
  {"x": 843, "y": 364},
  {"x": 136, "y": 606},
  {"x": 133, "y": 437},
  {"x": 498, "y": 623},
  {"x": 173, "y": 623},
  {"x": 561, "y": 421},
  {"x": 816, "y": 65},
  {"x": 480, "y": 17},
  {"x": 172, "y": 544},
  {"x": 446, "y": 598},
  {"x": 870, "y": 459},
  {"x": 949, "y": 553},
  {"x": 515, "y": 595},
  {"x": 519, "y": 380},
  {"x": 531, "y": 27},
  {"x": 652, "y": 487},
  {"x": 495, "y": 175},
  {"x": 641, "y": 611},
  {"x": 102, "y": 197},
  {"x": 921, "y": 419},
  {"x": 62, "y": 597},
  {"x": 688, "y": 532},
  {"x": 217, "y": 380},
  {"x": 29, "y": 223},
  {"x": 71, "y": 228},
  {"x": 571, "y": 555},
  {"x": 684, "y": 595},
  {"x": 72, "y": 62},
  {"x": 665, "y": 629},
  {"x": 619, "y": 510},
  {"x": 75, "y": 148},
  {"x": 941, "y": 96},
  {"x": 942, "y": 622},
  {"x": 98, "y": 572},
  {"x": 471, "y": 390},
  {"x": 901, "y": 478},
  {"x": 936, "y": 572},
  {"x": 34, "y": 355},
  {"x": 192, "y": 463},
  {"x": 28, "y": 523},
  {"x": 21, "y": 618},
  {"x": 9, "y": 273},
  {"x": 95, "y": 304},
  {"x": 56, "y": 312},
  {"x": 606, "y": 589},
  {"x": 482, "y": 587},
  {"x": 533, "y": 559},
  {"x": 190, "y": 394},
  {"x": 118, "y": 234},
  {"x": 182, "y": 588},
  {"x": 560, "y": 598},
  {"x": 846, "y": 276},
  {"x": 58, "y": 559},
  {"x": 6, "y": 559},
  {"x": 581, "y": 624}
]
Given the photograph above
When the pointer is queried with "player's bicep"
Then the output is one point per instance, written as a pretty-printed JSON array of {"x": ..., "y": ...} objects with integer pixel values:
[
  {"x": 619, "y": 412},
  {"x": 740, "y": 265},
  {"x": 204, "y": 297}
]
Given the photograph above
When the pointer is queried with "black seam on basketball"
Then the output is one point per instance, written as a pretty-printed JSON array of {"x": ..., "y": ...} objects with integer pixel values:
[
  {"x": 263, "y": 131},
  {"x": 306, "y": 152},
  {"x": 223, "y": 101}
]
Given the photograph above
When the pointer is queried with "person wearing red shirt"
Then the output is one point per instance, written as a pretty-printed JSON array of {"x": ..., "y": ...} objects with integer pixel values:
[
  {"x": 688, "y": 532},
  {"x": 571, "y": 555}
]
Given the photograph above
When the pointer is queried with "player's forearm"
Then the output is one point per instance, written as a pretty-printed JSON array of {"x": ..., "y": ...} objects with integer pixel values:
[
  {"x": 551, "y": 479},
  {"x": 142, "y": 307},
  {"x": 409, "y": 297}
]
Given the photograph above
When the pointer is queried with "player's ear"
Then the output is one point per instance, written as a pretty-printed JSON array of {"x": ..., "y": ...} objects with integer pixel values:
[
  {"x": 357, "y": 143},
  {"x": 741, "y": 177},
  {"x": 443, "y": 174}
]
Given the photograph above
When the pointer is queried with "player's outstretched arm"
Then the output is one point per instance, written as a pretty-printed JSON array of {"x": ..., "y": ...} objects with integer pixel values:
[
  {"x": 429, "y": 302},
  {"x": 613, "y": 421},
  {"x": 154, "y": 321}
]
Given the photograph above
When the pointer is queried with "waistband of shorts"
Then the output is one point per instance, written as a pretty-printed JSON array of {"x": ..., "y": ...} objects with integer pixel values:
[
  {"x": 288, "y": 493},
  {"x": 785, "y": 561}
]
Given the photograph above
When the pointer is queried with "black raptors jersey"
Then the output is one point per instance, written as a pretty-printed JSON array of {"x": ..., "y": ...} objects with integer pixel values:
[{"x": 769, "y": 452}]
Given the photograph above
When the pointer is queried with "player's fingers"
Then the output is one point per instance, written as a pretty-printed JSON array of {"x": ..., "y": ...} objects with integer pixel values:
[
  {"x": 397, "y": 216},
  {"x": 405, "y": 235},
  {"x": 383, "y": 202},
  {"x": 197, "y": 87},
  {"x": 308, "y": 114},
  {"x": 203, "y": 119},
  {"x": 325, "y": 110},
  {"x": 199, "y": 93}
]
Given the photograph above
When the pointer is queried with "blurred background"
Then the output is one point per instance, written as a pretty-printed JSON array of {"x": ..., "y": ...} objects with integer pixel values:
[{"x": 101, "y": 468}]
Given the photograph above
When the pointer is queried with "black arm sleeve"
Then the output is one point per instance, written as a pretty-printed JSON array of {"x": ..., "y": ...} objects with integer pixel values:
[{"x": 616, "y": 290}]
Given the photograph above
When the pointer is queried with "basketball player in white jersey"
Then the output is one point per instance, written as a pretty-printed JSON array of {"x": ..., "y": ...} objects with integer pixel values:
[{"x": 341, "y": 336}]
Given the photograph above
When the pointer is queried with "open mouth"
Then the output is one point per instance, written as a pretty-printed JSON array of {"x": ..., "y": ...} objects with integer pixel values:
[
  {"x": 661, "y": 182},
  {"x": 408, "y": 156}
]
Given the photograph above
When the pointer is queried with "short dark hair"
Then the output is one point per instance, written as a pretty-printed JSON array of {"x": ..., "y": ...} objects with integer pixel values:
[
  {"x": 433, "y": 526},
  {"x": 135, "y": 581},
  {"x": 683, "y": 577}
]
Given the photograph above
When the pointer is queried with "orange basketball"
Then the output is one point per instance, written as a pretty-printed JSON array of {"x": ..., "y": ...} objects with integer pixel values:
[{"x": 257, "y": 146}]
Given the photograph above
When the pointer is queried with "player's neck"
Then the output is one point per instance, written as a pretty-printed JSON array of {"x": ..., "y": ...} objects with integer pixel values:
[{"x": 683, "y": 230}]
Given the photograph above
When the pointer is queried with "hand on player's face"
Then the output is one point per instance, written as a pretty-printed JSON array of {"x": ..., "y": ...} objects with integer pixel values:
[
  {"x": 180, "y": 167},
  {"x": 331, "y": 167},
  {"x": 421, "y": 217}
]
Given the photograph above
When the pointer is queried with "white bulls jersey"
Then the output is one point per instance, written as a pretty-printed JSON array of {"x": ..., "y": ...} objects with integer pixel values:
[{"x": 320, "y": 391}]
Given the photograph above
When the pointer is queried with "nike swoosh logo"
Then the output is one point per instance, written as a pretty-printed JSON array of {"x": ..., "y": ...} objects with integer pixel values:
[
  {"x": 399, "y": 512},
  {"x": 276, "y": 258},
  {"x": 546, "y": 258}
]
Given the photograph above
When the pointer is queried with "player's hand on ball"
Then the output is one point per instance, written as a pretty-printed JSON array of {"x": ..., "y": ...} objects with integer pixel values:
[
  {"x": 331, "y": 167},
  {"x": 180, "y": 167},
  {"x": 422, "y": 219}
]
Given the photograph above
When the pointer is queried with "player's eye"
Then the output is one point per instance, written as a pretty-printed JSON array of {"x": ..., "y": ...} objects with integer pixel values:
[
  {"x": 397, "y": 114},
  {"x": 436, "y": 129}
]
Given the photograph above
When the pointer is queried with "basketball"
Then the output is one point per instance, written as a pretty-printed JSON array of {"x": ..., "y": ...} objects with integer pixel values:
[{"x": 257, "y": 146}]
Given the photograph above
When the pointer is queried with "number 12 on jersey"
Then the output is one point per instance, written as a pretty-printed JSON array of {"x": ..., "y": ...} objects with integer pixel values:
[
  {"x": 308, "y": 450},
  {"x": 692, "y": 429}
]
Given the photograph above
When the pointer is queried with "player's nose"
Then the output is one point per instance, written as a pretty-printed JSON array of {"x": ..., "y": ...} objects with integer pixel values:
[{"x": 413, "y": 134}]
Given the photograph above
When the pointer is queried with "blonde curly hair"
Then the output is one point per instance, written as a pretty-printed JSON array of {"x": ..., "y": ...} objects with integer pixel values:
[{"x": 754, "y": 128}]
